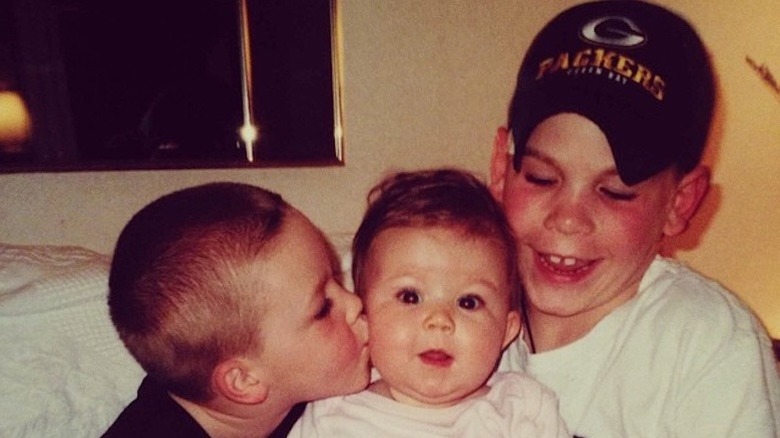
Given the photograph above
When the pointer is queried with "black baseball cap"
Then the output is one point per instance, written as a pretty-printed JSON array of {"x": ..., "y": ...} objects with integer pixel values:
[{"x": 638, "y": 71}]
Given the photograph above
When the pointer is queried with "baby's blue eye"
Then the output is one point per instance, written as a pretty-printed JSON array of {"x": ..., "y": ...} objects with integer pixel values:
[
  {"x": 470, "y": 302},
  {"x": 408, "y": 296}
]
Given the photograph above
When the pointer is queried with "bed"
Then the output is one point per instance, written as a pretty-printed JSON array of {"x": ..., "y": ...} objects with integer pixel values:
[{"x": 63, "y": 370}]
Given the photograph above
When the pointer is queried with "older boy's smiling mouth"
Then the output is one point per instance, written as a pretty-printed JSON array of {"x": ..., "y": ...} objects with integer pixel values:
[
  {"x": 564, "y": 265},
  {"x": 437, "y": 358}
]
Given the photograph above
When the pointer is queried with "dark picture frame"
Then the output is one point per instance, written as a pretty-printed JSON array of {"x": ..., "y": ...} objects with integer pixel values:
[{"x": 164, "y": 84}]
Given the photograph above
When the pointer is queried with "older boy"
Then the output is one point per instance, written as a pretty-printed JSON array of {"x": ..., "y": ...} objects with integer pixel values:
[
  {"x": 608, "y": 122},
  {"x": 221, "y": 292}
]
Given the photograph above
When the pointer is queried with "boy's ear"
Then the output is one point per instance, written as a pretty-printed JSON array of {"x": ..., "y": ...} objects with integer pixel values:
[
  {"x": 240, "y": 381},
  {"x": 690, "y": 191},
  {"x": 499, "y": 162},
  {"x": 512, "y": 327}
]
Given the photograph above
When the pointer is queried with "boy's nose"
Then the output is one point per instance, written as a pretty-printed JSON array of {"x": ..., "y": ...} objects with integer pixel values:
[
  {"x": 569, "y": 217},
  {"x": 353, "y": 306},
  {"x": 355, "y": 317},
  {"x": 360, "y": 327}
]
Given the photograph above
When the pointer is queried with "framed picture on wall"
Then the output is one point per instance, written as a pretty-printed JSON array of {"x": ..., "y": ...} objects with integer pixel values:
[{"x": 157, "y": 84}]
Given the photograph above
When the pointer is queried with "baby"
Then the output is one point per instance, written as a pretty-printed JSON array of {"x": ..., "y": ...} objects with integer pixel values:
[{"x": 435, "y": 265}]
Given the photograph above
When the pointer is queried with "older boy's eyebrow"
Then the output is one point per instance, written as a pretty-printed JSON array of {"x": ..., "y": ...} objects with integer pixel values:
[
  {"x": 530, "y": 151},
  {"x": 541, "y": 156}
]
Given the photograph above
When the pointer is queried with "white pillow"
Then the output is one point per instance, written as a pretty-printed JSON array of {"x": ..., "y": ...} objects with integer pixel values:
[
  {"x": 64, "y": 371},
  {"x": 342, "y": 244}
]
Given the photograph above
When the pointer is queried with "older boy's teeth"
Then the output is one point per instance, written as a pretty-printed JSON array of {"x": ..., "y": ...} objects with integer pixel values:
[
  {"x": 565, "y": 261},
  {"x": 565, "y": 265}
]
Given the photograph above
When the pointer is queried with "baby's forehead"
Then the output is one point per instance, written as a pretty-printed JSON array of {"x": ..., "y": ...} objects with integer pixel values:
[
  {"x": 481, "y": 245},
  {"x": 479, "y": 232}
]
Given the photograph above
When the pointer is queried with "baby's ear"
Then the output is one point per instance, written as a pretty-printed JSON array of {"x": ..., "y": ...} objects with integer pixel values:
[
  {"x": 690, "y": 191},
  {"x": 239, "y": 381}
]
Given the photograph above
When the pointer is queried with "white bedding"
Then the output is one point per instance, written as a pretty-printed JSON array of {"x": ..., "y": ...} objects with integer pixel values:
[{"x": 63, "y": 370}]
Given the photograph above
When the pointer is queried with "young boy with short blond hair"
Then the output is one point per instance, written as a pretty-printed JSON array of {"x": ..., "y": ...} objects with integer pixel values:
[{"x": 221, "y": 292}]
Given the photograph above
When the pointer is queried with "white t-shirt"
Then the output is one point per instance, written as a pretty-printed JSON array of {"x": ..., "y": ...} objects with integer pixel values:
[
  {"x": 684, "y": 358},
  {"x": 515, "y": 406}
]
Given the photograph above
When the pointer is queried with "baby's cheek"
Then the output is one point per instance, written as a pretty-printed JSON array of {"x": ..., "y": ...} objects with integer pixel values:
[
  {"x": 377, "y": 340},
  {"x": 384, "y": 338},
  {"x": 353, "y": 342}
]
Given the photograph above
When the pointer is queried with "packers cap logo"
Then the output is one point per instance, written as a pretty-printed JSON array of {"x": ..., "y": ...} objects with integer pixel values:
[{"x": 613, "y": 31}]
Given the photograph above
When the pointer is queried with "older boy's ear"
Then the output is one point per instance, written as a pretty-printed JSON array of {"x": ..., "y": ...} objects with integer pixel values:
[
  {"x": 512, "y": 327},
  {"x": 499, "y": 162},
  {"x": 239, "y": 381},
  {"x": 691, "y": 190}
]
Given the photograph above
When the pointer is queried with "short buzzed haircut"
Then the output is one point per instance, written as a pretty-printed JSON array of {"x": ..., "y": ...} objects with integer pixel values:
[{"x": 182, "y": 288}]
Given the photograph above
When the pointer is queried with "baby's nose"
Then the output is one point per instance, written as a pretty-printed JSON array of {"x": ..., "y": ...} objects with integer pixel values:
[{"x": 439, "y": 319}]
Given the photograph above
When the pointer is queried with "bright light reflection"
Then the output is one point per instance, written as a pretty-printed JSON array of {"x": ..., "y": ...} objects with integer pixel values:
[{"x": 248, "y": 134}]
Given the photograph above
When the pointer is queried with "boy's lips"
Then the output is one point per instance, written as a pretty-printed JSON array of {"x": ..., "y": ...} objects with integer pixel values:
[
  {"x": 566, "y": 266},
  {"x": 437, "y": 358}
]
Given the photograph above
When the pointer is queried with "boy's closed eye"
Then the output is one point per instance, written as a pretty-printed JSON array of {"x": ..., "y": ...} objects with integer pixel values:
[
  {"x": 538, "y": 180},
  {"x": 618, "y": 195},
  {"x": 324, "y": 311},
  {"x": 613, "y": 188},
  {"x": 613, "y": 193}
]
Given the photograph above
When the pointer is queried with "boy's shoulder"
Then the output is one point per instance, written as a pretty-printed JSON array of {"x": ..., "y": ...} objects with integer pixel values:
[
  {"x": 519, "y": 390},
  {"x": 154, "y": 414},
  {"x": 518, "y": 381},
  {"x": 669, "y": 275},
  {"x": 684, "y": 295}
]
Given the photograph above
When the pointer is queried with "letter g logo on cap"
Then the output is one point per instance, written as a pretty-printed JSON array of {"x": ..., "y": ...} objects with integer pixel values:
[{"x": 613, "y": 31}]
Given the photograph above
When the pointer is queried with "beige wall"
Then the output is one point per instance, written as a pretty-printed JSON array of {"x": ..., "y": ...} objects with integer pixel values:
[{"x": 426, "y": 83}]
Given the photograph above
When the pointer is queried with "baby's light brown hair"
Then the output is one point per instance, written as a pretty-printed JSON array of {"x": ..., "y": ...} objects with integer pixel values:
[{"x": 444, "y": 197}]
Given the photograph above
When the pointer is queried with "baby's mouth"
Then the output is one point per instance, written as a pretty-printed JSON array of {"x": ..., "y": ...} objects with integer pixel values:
[
  {"x": 437, "y": 358},
  {"x": 563, "y": 265}
]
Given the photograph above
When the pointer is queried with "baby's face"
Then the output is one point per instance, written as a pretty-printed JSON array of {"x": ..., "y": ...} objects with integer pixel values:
[{"x": 437, "y": 303}]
